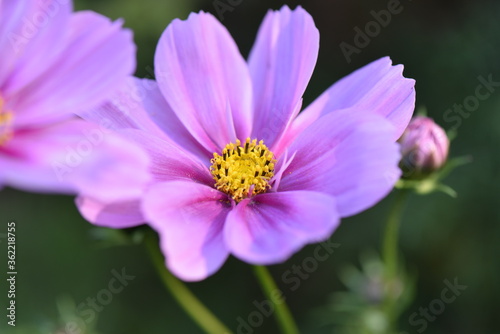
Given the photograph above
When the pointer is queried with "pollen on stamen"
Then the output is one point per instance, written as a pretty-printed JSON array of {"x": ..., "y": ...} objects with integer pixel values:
[
  {"x": 243, "y": 171},
  {"x": 6, "y": 119}
]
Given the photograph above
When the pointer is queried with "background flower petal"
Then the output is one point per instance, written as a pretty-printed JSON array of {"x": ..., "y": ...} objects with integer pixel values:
[
  {"x": 98, "y": 57},
  {"x": 205, "y": 80},
  {"x": 122, "y": 214},
  {"x": 349, "y": 155},
  {"x": 28, "y": 28},
  {"x": 269, "y": 228},
  {"x": 281, "y": 64},
  {"x": 75, "y": 157},
  {"x": 189, "y": 218}
]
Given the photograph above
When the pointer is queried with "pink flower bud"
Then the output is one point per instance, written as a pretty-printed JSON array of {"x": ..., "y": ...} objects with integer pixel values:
[{"x": 424, "y": 147}]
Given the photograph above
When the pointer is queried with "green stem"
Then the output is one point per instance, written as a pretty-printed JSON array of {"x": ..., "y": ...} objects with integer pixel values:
[
  {"x": 186, "y": 299},
  {"x": 390, "y": 251},
  {"x": 274, "y": 295},
  {"x": 390, "y": 243}
]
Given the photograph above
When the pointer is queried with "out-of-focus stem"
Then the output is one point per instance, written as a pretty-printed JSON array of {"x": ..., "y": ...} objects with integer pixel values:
[
  {"x": 283, "y": 314},
  {"x": 186, "y": 299},
  {"x": 390, "y": 252}
]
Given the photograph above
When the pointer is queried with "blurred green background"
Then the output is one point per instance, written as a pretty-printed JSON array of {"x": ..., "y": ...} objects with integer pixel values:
[{"x": 444, "y": 44}]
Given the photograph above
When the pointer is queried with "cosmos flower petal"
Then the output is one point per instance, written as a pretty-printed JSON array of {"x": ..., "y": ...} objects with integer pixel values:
[
  {"x": 205, "y": 80},
  {"x": 74, "y": 156},
  {"x": 28, "y": 28},
  {"x": 189, "y": 218},
  {"x": 121, "y": 214},
  {"x": 379, "y": 87},
  {"x": 281, "y": 64},
  {"x": 140, "y": 105},
  {"x": 168, "y": 161},
  {"x": 349, "y": 155},
  {"x": 271, "y": 227},
  {"x": 97, "y": 58},
  {"x": 127, "y": 108}
]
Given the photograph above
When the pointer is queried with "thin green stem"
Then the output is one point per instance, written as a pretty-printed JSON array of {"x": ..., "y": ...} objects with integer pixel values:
[
  {"x": 390, "y": 243},
  {"x": 186, "y": 299},
  {"x": 390, "y": 253},
  {"x": 274, "y": 295}
]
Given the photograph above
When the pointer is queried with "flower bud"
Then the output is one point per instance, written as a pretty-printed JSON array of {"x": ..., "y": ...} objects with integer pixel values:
[{"x": 424, "y": 147}]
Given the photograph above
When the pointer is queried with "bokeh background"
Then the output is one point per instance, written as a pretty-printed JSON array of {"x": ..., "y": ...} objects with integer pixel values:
[{"x": 444, "y": 44}]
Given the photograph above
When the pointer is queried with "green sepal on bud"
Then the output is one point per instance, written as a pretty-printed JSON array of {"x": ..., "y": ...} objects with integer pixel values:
[{"x": 432, "y": 183}]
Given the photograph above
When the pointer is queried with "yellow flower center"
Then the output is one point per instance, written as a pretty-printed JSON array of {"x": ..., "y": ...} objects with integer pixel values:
[
  {"x": 243, "y": 171},
  {"x": 5, "y": 124}
]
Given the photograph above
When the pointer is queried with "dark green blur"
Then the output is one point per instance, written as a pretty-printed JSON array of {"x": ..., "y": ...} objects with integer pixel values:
[{"x": 444, "y": 44}]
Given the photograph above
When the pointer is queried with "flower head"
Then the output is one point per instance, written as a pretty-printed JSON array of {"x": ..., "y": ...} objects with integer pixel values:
[
  {"x": 55, "y": 62},
  {"x": 424, "y": 147},
  {"x": 236, "y": 169}
]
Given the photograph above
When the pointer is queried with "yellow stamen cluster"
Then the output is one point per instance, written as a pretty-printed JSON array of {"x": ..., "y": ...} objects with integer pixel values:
[
  {"x": 5, "y": 124},
  {"x": 243, "y": 170}
]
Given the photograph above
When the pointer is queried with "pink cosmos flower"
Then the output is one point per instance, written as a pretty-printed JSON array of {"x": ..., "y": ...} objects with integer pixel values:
[
  {"x": 55, "y": 62},
  {"x": 237, "y": 170}
]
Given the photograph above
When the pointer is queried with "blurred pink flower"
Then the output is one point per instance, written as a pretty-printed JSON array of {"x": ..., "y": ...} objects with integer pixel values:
[
  {"x": 237, "y": 169},
  {"x": 55, "y": 62}
]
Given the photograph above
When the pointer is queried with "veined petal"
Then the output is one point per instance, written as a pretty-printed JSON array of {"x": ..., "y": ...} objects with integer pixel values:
[
  {"x": 98, "y": 57},
  {"x": 379, "y": 87},
  {"x": 205, "y": 80},
  {"x": 121, "y": 214},
  {"x": 281, "y": 64},
  {"x": 269, "y": 228},
  {"x": 127, "y": 108},
  {"x": 189, "y": 218},
  {"x": 75, "y": 157},
  {"x": 350, "y": 155},
  {"x": 140, "y": 105},
  {"x": 168, "y": 161}
]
